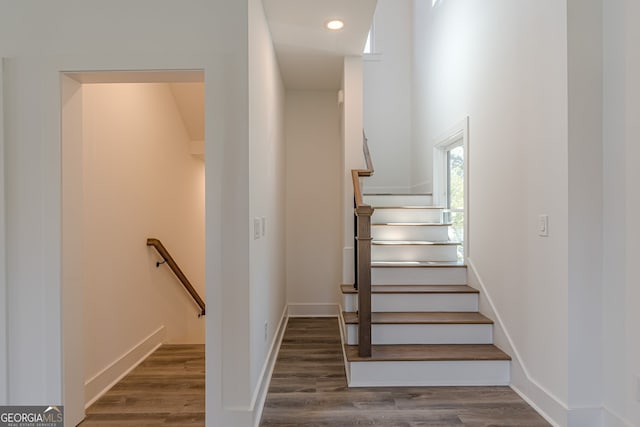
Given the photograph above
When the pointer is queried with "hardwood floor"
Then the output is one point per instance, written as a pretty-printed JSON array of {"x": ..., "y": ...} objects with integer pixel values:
[
  {"x": 167, "y": 389},
  {"x": 309, "y": 388}
]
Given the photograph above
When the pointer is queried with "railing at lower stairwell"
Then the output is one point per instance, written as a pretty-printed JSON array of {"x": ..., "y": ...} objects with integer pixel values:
[
  {"x": 362, "y": 238},
  {"x": 157, "y": 244}
]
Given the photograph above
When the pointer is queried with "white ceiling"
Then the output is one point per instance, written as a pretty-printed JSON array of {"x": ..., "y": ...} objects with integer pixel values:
[{"x": 309, "y": 55}]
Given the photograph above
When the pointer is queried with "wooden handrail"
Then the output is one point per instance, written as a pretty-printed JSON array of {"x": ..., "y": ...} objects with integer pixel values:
[
  {"x": 362, "y": 238},
  {"x": 367, "y": 155},
  {"x": 157, "y": 244}
]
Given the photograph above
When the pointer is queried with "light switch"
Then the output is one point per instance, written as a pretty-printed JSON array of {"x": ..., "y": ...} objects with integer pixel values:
[
  {"x": 543, "y": 225},
  {"x": 256, "y": 228}
]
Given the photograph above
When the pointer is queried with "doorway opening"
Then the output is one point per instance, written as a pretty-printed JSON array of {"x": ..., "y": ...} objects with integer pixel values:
[
  {"x": 450, "y": 170},
  {"x": 133, "y": 169}
]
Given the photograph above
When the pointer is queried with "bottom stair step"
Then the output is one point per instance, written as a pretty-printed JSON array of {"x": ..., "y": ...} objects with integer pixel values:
[
  {"x": 428, "y": 365},
  {"x": 427, "y": 352}
]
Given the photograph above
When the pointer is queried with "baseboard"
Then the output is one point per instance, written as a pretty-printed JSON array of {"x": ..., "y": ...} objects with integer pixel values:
[
  {"x": 542, "y": 400},
  {"x": 260, "y": 393},
  {"x": 610, "y": 419},
  {"x": 100, "y": 383},
  {"x": 386, "y": 190},
  {"x": 313, "y": 310},
  {"x": 422, "y": 187}
]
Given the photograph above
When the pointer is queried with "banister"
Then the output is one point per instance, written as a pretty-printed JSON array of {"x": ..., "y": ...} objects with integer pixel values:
[
  {"x": 362, "y": 238},
  {"x": 367, "y": 155},
  {"x": 166, "y": 256}
]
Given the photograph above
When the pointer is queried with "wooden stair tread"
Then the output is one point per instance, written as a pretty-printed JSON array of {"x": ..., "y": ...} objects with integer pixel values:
[
  {"x": 413, "y": 243},
  {"x": 418, "y": 264},
  {"x": 427, "y": 353},
  {"x": 410, "y": 207},
  {"x": 398, "y": 194},
  {"x": 411, "y": 224},
  {"x": 414, "y": 289},
  {"x": 421, "y": 318}
]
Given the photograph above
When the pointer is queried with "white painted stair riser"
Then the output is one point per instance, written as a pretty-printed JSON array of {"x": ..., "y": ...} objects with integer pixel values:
[
  {"x": 431, "y": 233},
  {"x": 424, "y": 374},
  {"x": 390, "y": 303},
  {"x": 398, "y": 199},
  {"x": 413, "y": 252},
  {"x": 381, "y": 216},
  {"x": 419, "y": 276},
  {"x": 425, "y": 334}
]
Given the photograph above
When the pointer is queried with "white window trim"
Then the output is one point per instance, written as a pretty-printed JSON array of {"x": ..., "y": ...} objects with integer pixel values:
[{"x": 457, "y": 135}]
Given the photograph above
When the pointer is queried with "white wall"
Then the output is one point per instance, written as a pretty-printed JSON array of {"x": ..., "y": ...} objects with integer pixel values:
[
  {"x": 267, "y": 196},
  {"x": 504, "y": 64},
  {"x": 387, "y": 101},
  {"x": 313, "y": 199},
  {"x": 140, "y": 181},
  {"x": 351, "y": 157},
  {"x": 421, "y": 178},
  {"x": 621, "y": 210},
  {"x": 151, "y": 35},
  {"x": 584, "y": 30}
]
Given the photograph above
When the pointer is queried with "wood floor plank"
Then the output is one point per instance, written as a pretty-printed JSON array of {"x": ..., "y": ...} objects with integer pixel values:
[{"x": 167, "y": 389}]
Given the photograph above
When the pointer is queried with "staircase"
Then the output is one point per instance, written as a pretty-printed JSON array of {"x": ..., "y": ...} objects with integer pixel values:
[{"x": 426, "y": 329}]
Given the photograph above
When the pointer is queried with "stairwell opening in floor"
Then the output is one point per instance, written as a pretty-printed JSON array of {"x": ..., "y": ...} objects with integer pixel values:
[{"x": 133, "y": 168}]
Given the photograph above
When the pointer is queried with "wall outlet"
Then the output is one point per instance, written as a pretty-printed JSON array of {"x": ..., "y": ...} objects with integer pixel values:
[{"x": 266, "y": 330}]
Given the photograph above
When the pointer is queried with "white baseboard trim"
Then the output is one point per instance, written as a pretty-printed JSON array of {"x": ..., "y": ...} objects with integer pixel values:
[
  {"x": 385, "y": 189},
  {"x": 611, "y": 419},
  {"x": 550, "y": 407},
  {"x": 99, "y": 384},
  {"x": 260, "y": 392},
  {"x": 301, "y": 309},
  {"x": 422, "y": 187}
]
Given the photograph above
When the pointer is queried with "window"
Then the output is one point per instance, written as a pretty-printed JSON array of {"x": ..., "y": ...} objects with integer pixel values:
[{"x": 450, "y": 183}]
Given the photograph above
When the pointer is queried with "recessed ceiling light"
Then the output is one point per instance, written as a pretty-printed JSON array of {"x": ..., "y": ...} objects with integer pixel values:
[{"x": 335, "y": 24}]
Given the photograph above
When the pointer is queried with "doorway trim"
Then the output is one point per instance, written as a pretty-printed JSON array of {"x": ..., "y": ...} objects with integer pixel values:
[
  {"x": 455, "y": 136},
  {"x": 4, "y": 380},
  {"x": 79, "y": 392}
]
